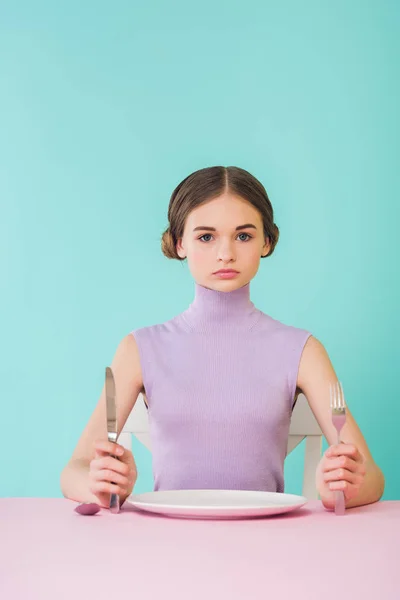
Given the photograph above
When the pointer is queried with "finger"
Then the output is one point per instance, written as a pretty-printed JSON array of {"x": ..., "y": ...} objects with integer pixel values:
[
  {"x": 110, "y": 463},
  {"x": 127, "y": 458},
  {"x": 111, "y": 477},
  {"x": 343, "y": 462},
  {"x": 350, "y": 490},
  {"x": 106, "y": 447},
  {"x": 102, "y": 487},
  {"x": 343, "y": 475},
  {"x": 344, "y": 450},
  {"x": 101, "y": 454}
]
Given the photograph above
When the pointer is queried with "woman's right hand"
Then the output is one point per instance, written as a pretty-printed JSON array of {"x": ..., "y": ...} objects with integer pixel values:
[{"x": 109, "y": 475}]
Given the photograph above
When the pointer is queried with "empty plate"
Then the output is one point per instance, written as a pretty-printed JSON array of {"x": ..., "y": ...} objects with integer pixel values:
[{"x": 216, "y": 504}]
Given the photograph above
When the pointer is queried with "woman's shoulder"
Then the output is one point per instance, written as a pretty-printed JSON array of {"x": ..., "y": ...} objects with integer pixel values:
[
  {"x": 174, "y": 324},
  {"x": 280, "y": 328}
]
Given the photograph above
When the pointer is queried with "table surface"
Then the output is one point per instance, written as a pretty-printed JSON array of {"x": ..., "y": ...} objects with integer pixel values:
[{"x": 47, "y": 551}]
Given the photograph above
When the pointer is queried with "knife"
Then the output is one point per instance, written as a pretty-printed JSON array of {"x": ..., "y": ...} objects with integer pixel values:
[{"x": 112, "y": 431}]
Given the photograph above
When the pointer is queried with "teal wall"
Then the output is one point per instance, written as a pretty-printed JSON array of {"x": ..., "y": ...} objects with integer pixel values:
[{"x": 104, "y": 108}]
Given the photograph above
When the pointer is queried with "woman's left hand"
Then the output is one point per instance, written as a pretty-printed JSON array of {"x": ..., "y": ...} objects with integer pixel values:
[{"x": 342, "y": 468}]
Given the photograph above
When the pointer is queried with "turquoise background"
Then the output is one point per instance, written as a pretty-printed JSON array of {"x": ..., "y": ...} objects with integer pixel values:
[{"x": 104, "y": 109}]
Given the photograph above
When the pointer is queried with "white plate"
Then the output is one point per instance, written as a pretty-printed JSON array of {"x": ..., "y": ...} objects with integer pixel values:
[{"x": 216, "y": 504}]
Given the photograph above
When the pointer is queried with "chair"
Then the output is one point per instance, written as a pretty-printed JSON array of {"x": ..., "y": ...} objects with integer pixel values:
[{"x": 303, "y": 426}]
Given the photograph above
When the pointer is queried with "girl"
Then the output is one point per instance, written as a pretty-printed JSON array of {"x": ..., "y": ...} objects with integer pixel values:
[{"x": 221, "y": 378}]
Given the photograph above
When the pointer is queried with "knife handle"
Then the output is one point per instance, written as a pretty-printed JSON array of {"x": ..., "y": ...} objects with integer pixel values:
[
  {"x": 114, "y": 503},
  {"x": 114, "y": 499}
]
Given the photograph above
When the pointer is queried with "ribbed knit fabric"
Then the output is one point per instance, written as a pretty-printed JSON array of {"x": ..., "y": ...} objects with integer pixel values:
[{"x": 220, "y": 380}]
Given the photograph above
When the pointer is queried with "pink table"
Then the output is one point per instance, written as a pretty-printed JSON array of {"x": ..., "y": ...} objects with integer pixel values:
[{"x": 47, "y": 551}]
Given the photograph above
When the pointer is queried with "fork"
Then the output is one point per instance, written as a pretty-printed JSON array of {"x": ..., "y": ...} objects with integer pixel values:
[{"x": 338, "y": 411}]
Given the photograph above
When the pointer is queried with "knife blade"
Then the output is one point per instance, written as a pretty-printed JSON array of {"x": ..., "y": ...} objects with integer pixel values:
[
  {"x": 111, "y": 407},
  {"x": 112, "y": 431}
]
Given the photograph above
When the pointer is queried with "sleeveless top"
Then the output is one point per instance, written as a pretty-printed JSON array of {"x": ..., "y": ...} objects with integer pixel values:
[{"x": 220, "y": 382}]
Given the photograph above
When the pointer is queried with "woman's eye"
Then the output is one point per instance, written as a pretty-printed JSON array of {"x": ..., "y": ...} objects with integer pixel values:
[
  {"x": 246, "y": 237},
  {"x": 243, "y": 237},
  {"x": 206, "y": 235}
]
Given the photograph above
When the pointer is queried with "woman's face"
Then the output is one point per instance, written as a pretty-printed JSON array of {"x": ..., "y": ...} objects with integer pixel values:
[{"x": 224, "y": 233}]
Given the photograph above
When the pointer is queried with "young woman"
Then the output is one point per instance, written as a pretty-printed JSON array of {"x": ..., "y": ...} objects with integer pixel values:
[{"x": 222, "y": 377}]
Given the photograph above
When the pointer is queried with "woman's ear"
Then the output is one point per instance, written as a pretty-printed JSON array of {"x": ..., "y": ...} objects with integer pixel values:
[
  {"x": 266, "y": 247},
  {"x": 180, "y": 249}
]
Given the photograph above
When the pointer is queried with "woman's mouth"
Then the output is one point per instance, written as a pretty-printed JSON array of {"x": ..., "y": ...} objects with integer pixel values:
[{"x": 226, "y": 273}]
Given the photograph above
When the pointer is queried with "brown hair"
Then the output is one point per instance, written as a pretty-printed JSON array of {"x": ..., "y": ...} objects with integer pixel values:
[{"x": 207, "y": 184}]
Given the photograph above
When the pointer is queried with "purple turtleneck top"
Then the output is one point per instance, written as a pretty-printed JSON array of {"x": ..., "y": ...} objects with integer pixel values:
[{"x": 220, "y": 381}]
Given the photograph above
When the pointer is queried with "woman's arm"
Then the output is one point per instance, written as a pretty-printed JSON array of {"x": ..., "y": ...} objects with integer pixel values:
[
  {"x": 128, "y": 383},
  {"x": 350, "y": 466}
]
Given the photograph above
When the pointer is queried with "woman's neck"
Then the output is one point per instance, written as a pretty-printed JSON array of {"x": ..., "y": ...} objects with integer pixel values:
[{"x": 212, "y": 309}]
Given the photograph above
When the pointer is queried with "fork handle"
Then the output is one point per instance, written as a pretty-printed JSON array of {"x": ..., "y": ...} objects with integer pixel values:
[{"x": 340, "y": 503}]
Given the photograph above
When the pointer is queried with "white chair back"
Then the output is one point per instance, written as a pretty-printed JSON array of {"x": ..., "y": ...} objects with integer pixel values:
[{"x": 303, "y": 426}]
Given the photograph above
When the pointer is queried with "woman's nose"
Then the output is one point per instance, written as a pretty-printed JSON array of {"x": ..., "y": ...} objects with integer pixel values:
[{"x": 226, "y": 252}]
